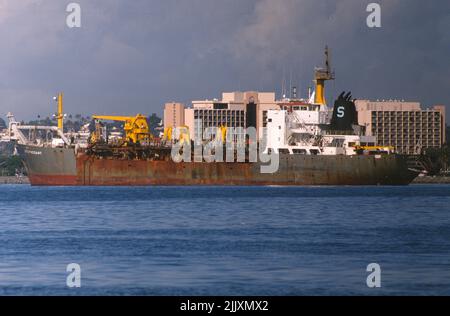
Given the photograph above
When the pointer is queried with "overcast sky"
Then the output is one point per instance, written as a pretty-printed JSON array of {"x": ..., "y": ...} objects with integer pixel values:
[{"x": 132, "y": 56}]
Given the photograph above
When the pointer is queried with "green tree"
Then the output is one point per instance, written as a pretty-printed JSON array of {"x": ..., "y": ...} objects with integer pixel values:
[
  {"x": 153, "y": 122},
  {"x": 10, "y": 165}
]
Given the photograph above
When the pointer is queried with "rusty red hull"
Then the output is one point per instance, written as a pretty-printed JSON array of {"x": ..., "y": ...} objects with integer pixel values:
[
  {"x": 293, "y": 170},
  {"x": 53, "y": 180},
  {"x": 48, "y": 166}
]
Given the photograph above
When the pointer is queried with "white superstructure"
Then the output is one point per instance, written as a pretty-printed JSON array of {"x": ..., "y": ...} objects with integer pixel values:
[{"x": 304, "y": 129}]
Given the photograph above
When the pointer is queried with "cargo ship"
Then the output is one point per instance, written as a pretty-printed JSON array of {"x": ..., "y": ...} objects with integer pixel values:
[
  {"x": 307, "y": 153},
  {"x": 311, "y": 145}
]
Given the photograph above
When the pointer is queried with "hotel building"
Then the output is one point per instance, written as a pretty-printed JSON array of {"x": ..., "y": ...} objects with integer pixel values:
[{"x": 404, "y": 125}]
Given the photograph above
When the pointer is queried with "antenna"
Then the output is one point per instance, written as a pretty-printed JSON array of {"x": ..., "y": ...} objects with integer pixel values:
[
  {"x": 327, "y": 59},
  {"x": 290, "y": 85},
  {"x": 283, "y": 84}
]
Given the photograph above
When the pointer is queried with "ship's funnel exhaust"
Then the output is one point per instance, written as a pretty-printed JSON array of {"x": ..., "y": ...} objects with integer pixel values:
[{"x": 344, "y": 113}]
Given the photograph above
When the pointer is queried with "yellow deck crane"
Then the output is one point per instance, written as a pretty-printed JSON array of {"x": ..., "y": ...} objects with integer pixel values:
[
  {"x": 180, "y": 133},
  {"x": 60, "y": 114},
  {"x": 136, "y": 128},
  {"x": 223, "y": 133},
  {"x": 320, "y": 76}
]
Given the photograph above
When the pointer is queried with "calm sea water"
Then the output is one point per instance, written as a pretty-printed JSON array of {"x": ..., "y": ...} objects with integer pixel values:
[{"x": 225, "y": 240}]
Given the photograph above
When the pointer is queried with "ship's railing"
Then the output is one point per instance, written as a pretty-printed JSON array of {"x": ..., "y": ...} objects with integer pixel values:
[{"x": 18, "y": 131}]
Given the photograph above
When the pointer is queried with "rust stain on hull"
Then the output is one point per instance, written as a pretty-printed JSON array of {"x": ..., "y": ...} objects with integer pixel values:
[
  {"x": 53, "y": 180},
  {"x": 293, "y": 170}
]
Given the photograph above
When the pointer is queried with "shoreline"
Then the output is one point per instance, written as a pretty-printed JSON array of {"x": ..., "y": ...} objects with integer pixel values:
[
  {"x": 14, "y": 180},
  {"x": 432, "y": 180},
  {"x": 418, "y": 180}
]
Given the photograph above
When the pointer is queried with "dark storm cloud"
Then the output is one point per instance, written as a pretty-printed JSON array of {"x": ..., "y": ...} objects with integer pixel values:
[{"x": 132, "y": 56}]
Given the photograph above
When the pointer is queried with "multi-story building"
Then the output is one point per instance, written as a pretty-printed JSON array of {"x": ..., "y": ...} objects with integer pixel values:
[
  {"x": 173, "y": 114},
  {"x": 252, "y": 101},
  {"x": 236, "y": 109},
  {"x": 213, "y": 114},
  {"x": 404, "y": 125}
]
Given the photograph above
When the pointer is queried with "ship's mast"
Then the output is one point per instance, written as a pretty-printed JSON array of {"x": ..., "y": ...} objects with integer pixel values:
[
  {"x": 320, "y": 76},
  {"x": 60, "y": 113}
]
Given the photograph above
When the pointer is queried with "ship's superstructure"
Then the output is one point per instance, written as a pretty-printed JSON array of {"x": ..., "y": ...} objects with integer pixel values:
[{"x": 309, "y": 129}]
